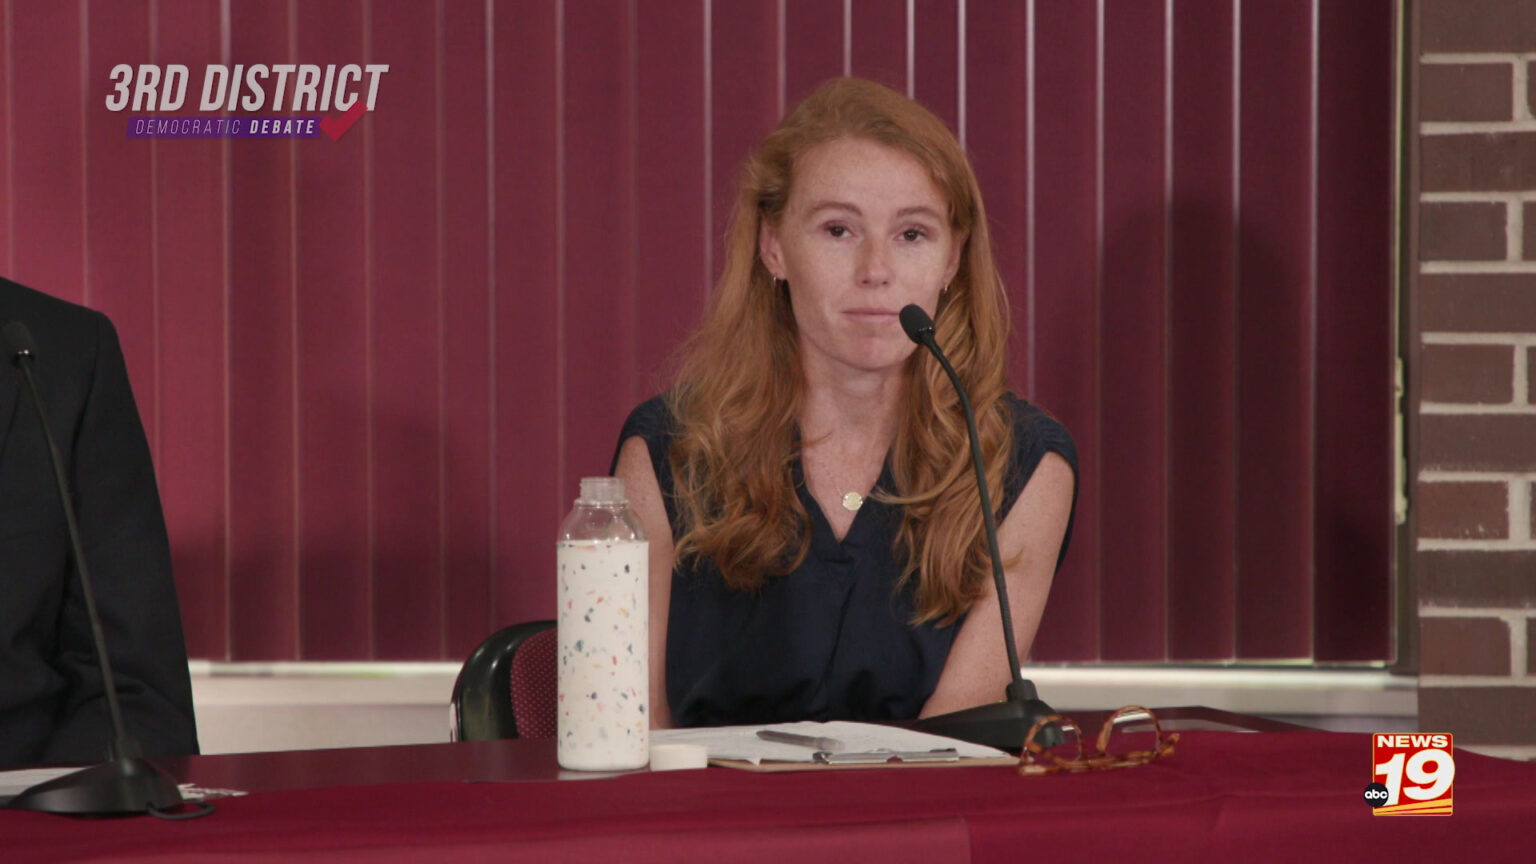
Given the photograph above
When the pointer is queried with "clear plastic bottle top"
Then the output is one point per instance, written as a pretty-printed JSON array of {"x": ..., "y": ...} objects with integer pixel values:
[
  {"x": 601, "y": 490},
  {"x": 602, "y": 514}
]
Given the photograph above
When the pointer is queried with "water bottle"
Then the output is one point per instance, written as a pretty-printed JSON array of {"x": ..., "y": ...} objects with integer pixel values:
[{"x": 604, "y": 716}]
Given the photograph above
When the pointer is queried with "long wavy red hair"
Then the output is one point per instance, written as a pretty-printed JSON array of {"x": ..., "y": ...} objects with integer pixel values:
[{"x": 740, "y": 385}]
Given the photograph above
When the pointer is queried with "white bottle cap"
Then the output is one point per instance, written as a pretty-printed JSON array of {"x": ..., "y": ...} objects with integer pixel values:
[{"x": 602, "y": 490}]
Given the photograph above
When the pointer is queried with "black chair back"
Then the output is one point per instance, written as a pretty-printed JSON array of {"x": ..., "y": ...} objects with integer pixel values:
[{"x": 482, "y": 695}]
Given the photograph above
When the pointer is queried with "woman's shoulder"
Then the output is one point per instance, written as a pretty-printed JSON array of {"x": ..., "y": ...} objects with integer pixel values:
[
  {"x": 1035, "y": 433},
  {"x": 653, "y": 422},
  {"x": 651, "y": 419},
  {"x": 1036, "y": 428}
]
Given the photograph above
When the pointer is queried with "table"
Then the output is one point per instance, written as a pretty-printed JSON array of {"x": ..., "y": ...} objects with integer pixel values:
[{"x": 1282, "y": 796}]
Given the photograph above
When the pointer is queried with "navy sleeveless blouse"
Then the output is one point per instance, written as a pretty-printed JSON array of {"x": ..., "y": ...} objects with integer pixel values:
[{"x": 830, "y": 640}]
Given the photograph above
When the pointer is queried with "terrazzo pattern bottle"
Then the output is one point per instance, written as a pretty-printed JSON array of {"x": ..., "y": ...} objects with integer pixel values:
[{"x": 603, "y": 720}]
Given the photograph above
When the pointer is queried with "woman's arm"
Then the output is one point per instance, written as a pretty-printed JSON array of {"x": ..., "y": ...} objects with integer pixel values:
[
  {"x": 644, "y": 495},
  {"x": 976, "y": 671}
]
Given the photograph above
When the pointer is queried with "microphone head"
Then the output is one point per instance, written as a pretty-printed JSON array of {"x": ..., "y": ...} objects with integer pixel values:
[
  {"x": 17, "y": 342},
  {"x": 916, "y": 323}
]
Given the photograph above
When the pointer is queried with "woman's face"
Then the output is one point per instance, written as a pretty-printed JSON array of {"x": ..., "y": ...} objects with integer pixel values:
[{"x": 865, "y": 232}]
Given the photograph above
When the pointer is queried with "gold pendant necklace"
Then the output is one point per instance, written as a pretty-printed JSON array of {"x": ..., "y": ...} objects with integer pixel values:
[{"x": 852, "y": 502}]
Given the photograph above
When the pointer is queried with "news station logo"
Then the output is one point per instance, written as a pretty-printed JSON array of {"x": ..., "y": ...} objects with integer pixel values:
[
  {"x": 1411, "y": 774},
  {"x": 301, "y": 89}
]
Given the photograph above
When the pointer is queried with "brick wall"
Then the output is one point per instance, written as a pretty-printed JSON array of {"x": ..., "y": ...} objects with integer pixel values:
[{"x": 1473, "y": 344}]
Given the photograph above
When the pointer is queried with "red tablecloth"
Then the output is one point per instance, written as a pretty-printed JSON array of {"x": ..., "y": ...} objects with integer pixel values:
[{"x": 1247, "y": 797}]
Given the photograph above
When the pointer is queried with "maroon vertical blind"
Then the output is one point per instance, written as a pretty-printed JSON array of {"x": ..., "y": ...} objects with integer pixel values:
[{"x": 374, "y": 369}]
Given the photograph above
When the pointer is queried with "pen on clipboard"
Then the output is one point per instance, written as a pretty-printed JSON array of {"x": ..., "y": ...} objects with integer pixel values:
[
  {"x": 883, "y": 754},
  {"x": 828, "y": 745}
]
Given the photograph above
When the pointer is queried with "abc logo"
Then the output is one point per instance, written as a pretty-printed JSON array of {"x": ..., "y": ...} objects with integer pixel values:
[{"x": 1375, "y": 794}]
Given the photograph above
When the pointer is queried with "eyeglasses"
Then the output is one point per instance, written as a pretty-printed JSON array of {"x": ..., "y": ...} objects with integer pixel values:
[{"x": 1036, "y": 759}]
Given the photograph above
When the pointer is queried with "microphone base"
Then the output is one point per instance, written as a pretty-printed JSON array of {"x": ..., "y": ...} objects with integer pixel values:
[
  {"x": 1001, "y": 724},
  {"x": 122, "y": 786}
]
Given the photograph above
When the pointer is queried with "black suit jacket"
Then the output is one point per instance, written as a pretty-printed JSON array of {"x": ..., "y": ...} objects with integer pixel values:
[{"x": 52, "y": 706}]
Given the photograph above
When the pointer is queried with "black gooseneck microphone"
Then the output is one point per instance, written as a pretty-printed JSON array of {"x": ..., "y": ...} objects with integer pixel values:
[
  {"x": 999, "y": 724},
  {"x": 126, "y": 782}
]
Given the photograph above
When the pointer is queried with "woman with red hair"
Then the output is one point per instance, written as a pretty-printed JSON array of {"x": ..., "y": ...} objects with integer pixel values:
[{"x": 817, "y": 542}]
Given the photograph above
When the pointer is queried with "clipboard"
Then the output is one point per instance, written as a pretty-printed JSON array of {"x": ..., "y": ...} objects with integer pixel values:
[
  {"x": 769, "y": 767},
  {"x": 742, "y": 748}
]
